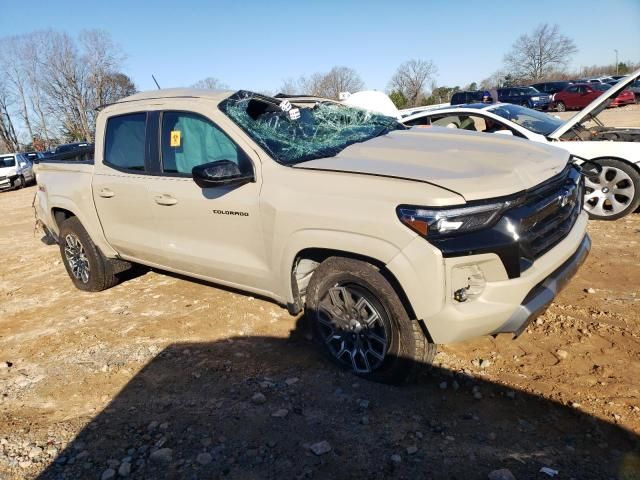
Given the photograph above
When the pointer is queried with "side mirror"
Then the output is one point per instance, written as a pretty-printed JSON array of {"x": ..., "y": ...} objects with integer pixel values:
[
  {"x": 220, "y": 173},
  {"x": 504, "y": 132}
]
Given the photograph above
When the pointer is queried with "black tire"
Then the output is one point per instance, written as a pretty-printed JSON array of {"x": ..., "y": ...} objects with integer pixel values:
[
  {"x": 406, "y": 347},
  {"x": 100, "y": 273},
  {"x": 630, "y": 198},
  {"x": 19, "y": 183},
  {"x": 561, "y": 107}
]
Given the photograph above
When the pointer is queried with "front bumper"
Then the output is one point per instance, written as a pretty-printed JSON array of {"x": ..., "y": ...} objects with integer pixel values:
[
  {"x": 541, "y": 296},
  {"x": 7, "y": 182},
  {"x": 540, "y": 105}
]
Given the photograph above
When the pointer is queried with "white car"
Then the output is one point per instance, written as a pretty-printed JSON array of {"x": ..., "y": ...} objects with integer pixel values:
[
  {"x": 615, "y": 192},
  {"x": 16, "y": 171}
]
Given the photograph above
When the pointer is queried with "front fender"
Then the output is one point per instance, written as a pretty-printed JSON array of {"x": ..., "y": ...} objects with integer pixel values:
[{"x": 348, "y": 242}]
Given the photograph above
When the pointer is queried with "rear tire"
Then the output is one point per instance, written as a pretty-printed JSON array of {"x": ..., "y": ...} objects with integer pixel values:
[
  {"x": 561, "y": 107},
  {"x": 614, "y": 193},
  {"x": 360, "y": 323},
  {"x": 87, "y": 267}
]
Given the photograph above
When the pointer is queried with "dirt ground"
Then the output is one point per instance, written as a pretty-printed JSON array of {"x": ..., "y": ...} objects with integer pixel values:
[{"x": 161, "y": 377}]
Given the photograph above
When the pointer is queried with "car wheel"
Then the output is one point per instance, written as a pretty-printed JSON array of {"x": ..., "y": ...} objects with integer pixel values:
[
  {"x": 19, "y": 183},
  {"x": 359, "y": 321},
  {"x": 614, "y": 193},
  {"x": 561, "y": 107},
  {"x": 88, "y": 269}
]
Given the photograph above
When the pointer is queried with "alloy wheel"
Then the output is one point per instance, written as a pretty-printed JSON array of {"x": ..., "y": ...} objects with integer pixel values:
[
  {"x": 610, "y": 193},
  {"x": 354, "y": 327},
  {"x": 76, "y": 258}
]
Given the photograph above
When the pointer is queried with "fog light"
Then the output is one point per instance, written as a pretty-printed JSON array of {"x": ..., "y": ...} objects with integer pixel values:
[
  {"x": 460, "y": 295},
  {"x": 468, "y": 282}
]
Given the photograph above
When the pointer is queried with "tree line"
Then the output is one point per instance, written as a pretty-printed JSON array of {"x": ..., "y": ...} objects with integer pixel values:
[{"x": 53, "y": 83}]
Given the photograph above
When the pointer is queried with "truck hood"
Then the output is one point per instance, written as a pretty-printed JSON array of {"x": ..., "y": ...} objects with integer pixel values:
[
  {"x": 474, "y": 165},
  {"x": 597, "y": 106}
]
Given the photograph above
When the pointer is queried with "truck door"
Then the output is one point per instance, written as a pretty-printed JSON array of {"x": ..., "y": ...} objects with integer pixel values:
[
  {"x": 119, "y": 186},
  {"x": 213, "y": 232}
]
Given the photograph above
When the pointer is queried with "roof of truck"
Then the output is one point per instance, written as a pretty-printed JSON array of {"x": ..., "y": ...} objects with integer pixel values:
[{"x": 217, "y": 95}]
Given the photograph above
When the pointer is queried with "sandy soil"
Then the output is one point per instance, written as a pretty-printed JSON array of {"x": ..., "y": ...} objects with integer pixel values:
[{"x": 161, "y": 377}]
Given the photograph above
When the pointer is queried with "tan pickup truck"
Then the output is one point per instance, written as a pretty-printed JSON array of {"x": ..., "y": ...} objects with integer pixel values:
[{"x": 391, "y": 239}]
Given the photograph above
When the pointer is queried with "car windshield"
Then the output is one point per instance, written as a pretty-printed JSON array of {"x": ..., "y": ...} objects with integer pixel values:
[
  {"x": 7, "y": 162},
  {"x": 537, "y": 122},
  {"x": 601, "y": 86},
  {"x": 293, "y": 135},
  {"x": 529, "y": 91}
]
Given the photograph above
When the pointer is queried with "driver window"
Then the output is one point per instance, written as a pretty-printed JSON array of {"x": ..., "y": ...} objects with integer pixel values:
[{"x": 189, "y": 140}]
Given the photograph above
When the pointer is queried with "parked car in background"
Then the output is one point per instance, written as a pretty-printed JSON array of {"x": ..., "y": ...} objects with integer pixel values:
[
  {"x": 525, "y": 96},
  {"x": 635, "y": 88},
  {"x": 595, "y": 80},
  {"x": 16, "y": 171},
  {"x": 616, "y": 191},
  {"x": 72, "y": 151},
  {"x": 578, "y": 96},
  {"x": 472, "y": 96},
  {"x": 551, "y": 87},
  {"x": 69, "y": 147},
  {"x": 389, "y": 238}
]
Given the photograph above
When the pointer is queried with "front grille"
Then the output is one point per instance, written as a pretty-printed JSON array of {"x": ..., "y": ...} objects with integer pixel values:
[
  {"x": 3, "y": 178},
  {"x": 546, "y": 215}
]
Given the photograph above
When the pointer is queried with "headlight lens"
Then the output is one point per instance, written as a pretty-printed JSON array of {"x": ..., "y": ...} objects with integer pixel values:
[
  {"x": 535, "y": 99},
  {"x": 431, "y": 222}
]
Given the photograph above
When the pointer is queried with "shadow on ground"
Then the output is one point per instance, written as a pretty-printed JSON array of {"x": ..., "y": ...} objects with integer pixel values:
[{"x": 190, "y": 414}]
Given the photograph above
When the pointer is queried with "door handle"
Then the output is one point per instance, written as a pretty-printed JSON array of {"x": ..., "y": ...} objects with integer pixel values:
[
  {"x": 165, "y": 199},
  {"x": 106, "y": 193}
]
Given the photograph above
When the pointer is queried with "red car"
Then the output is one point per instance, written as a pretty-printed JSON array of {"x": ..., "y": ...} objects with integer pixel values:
[{"x": 579, "y": 95}]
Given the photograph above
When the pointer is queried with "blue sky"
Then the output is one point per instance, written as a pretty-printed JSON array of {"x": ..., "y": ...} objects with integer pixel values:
[{"x": 256, "y": 45}]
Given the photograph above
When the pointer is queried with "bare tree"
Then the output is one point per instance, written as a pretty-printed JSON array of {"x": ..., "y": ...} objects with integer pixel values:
[
  {"x": 291, "y": 86},
  {"x": 12, "y": 66},
  {"x": 8, "y": 137},
  {"x": 329, "y": 85},
  {"x": 32, "y": 47},
  {"x": 79, "y": 77},
  {"x": 211, "y": 83},
  {"x": 410, "y": 80},
  {"x": 340, "y": 79},
  {"x": 535, "y": 55}
]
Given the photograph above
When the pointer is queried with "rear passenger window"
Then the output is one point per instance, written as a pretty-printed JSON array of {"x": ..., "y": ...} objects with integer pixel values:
[
  {"x": 125, "y": 141},
  {"x": 189, "y": 140}
]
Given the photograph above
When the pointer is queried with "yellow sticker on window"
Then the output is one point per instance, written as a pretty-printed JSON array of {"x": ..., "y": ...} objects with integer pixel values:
[{"x": 176, "y": 137}]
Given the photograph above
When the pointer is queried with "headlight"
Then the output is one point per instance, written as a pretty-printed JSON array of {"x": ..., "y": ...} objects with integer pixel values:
[
  {"x": 431, "y": 222},
  {"x": 535, "y": 99}
]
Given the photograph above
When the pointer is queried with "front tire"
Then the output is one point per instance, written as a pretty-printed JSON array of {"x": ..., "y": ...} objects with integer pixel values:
[
  {"x": 359, "y": 321},
  {"x": 614, "y": 193},
  {"x": 88, "y": 269},
  {"x": 19, "y": 183}
]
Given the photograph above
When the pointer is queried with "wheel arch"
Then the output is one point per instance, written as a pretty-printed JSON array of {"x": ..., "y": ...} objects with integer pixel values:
[
  {"x": 59, "y": 215},
  {"x": 635, "y": 165},
  {"x": 318, "y": 254}
]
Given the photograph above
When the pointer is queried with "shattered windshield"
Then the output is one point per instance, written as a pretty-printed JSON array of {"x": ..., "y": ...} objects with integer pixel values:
[
  {"x": 7, "y": 162},
  {"x": 538, "y": 122},
  {"x": 293, "y": 134}
]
